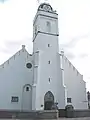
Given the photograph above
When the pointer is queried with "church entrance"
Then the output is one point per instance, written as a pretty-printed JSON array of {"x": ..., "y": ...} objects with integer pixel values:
[{"x": 48, "y": 100}]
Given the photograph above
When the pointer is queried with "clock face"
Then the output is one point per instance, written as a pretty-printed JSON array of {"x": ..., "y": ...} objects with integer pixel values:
[{"x": 47, "y": 8}]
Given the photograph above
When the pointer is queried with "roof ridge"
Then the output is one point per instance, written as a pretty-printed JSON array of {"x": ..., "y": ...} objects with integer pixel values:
[
  {"x": 72, "y": 65},
  {"x": 13, "y": 56}
]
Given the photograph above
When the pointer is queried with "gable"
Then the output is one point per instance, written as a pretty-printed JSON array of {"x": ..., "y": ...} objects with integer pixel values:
[{"x": 20, "y": 54}]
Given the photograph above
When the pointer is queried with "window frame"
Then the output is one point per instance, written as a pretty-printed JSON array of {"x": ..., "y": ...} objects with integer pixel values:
[{"x": 14, "y": 99}]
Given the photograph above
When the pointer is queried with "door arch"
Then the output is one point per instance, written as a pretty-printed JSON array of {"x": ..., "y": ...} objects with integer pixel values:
[
  {"x": 27, "y": 97},
  {"x": 48, "y": 100}
]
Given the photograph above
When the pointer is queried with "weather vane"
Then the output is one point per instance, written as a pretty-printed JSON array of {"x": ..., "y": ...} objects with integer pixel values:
[{"x": 39, "y": 1}]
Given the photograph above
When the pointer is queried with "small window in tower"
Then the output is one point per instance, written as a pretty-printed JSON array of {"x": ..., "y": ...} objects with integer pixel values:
[
  {"x": 48, "y": 26},
  {"x": 49, "y": 80},
  {"x": 48, "y": 45},
  {"x": 49, "y": 62}
]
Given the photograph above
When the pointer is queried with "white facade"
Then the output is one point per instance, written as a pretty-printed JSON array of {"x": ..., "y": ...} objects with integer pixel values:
[
  {"x": 75, "y": 85},
  {"x": 47, "y": 78},
  {"x": 14, "y": 78}
]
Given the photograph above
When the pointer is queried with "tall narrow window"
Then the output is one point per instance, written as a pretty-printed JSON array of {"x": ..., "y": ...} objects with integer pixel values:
[
  {"x": 49, "y": 62},
  {"x": 49, "y": 80},
  {"x": 48, "y": 45},
  {"x": 48, "y": 26}
]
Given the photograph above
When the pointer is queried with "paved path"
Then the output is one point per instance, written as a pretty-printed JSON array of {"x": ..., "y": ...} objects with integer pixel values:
[
  {"x": 74, "y": 118},
  {"x": 54, "y": 119},
  {"x": 71, "y": 119},
  {"x": 68, "y": 119}
]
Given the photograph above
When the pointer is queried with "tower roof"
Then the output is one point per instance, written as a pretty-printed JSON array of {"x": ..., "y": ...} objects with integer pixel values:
[{"x": 46, "y": 7}]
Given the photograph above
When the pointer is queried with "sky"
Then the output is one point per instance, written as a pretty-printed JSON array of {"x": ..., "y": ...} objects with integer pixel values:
[{"x": 16, "y": 29}]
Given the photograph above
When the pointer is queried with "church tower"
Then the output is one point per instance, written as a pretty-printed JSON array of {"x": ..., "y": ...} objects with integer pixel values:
[{"x": 48, "y": 86}]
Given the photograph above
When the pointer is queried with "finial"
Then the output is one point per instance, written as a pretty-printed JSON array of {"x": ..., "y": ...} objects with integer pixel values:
[
  {"x": 23, "y": 46},
  {"x": 42, "y": 1},
  {"x": 38, "y": 1},
  {"x": 62, "y": 52}
]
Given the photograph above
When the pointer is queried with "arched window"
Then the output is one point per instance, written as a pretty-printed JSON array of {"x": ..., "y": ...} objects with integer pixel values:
[
  {"x": 48, "y": 100},
  {"x": 49, "y": 96},
  {"x": 27, "y": 88}
]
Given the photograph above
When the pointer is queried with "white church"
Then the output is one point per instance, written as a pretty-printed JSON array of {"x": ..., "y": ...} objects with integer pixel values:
[{"x": 37, "y": 81}]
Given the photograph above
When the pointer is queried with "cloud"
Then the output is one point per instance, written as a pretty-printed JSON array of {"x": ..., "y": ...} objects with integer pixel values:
[
  {"x": 84, "y": 55},
  {"x": 70, "y": 55},
  {"x": 12, "y": 46},
  {"x": 74, "y": 41},
  {"x": 9, "y": 48},
  {"x": 12, "y": 43},
  {"x": 16, "y": 26}
]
